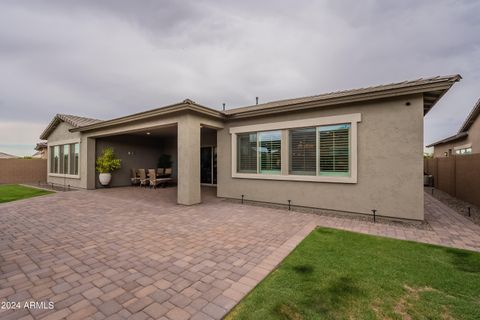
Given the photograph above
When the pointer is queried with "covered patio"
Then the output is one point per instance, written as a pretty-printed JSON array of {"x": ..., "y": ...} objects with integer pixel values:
[{"x": 187, "y": 141}]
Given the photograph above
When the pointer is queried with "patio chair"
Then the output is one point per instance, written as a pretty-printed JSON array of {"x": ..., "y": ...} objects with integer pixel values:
[
  {"x": 143, "y": 177},
  {"x": 154, "y": 181},
  {"x": 168, "y": 172},
  {"x": 160, "y": 172},
  {"x": 134, "y": 179}
]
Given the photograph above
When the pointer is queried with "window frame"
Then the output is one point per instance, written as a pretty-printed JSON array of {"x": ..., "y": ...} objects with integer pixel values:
[
  {"x": 351, "y": 119},
  {"x": 291, "y": 170},
  {"x": 60, "y": 145},
  {"x": 465, "y": 149}
]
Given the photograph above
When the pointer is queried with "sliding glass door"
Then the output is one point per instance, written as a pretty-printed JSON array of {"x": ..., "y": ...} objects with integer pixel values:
[{"x": 208, "y": 165}]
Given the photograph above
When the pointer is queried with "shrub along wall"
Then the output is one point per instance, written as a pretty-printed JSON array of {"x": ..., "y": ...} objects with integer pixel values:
[
  {"x": 459, "y": 176},
  {"x": 23, "y": 170}
]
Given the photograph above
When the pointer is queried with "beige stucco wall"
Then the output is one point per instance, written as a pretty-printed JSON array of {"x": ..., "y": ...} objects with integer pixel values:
[
  {"x": 390, "y": 165},
  {"x": 472, "y": 139},
  {"x": 439, "y": 150},
  {"x": 60, "y": 135}
]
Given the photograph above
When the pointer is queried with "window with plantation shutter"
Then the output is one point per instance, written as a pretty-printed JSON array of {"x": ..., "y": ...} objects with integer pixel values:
[
  {"x": 247, "y": 153},
  {"x": 270, "y": 151},
  {"x": 334, "y": 155},
  {"x": 303, "y": 151},
  {"x": 318, "y": 149}
]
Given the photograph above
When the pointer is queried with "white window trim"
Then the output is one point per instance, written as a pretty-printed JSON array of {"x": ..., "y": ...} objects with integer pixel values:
[
  {"x": 465, "y": 146},
  {"x": 64, "y": 142},
  {"x": 352, "y": 119}
]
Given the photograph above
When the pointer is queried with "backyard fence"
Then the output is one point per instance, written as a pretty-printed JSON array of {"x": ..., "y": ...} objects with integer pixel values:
[
  {"x": 458, "y": 176},
  {"x": 23, "y": 170}
]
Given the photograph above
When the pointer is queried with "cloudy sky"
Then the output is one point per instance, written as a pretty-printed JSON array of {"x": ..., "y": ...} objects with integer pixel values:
[{"x": 104, "y": 59}]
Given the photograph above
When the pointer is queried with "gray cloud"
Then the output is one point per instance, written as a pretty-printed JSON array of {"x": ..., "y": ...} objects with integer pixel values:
[{"x": 109, "y": 58}]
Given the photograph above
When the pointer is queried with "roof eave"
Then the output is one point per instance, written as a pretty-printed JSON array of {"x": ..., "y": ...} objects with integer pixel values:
[
  {"x": 472, "y": 116},
  {"x": 456, "y": 137},
  {"x": 359, "y": 97},
  {"x": 51, "y": 126},
  {"x": 153, "y": 113}
]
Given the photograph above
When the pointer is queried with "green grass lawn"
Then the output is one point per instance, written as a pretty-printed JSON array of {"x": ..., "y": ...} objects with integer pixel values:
[
  {"x": 12, "y": 192},
  {"x": 336, "y": 274}
]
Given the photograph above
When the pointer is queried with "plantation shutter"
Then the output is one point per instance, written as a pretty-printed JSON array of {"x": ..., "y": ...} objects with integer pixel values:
[
  {"x": 303, "y": 151},
  {"x": 334, "y": 150},
  {"x": 270, "y": 151},
  {"x": 247, "y": 152}
]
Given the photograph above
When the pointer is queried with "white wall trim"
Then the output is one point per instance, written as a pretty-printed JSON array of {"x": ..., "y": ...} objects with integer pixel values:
[
  {"x": 464, "y": 146},
  {"x": 352, "y": 119},
  {"x": 67, "y": 176}
]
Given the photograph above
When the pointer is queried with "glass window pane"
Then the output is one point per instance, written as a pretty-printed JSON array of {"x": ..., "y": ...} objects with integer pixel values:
[
  {"x": 60, "y": 159},
  {"x": 56, "y": 159},
  {"x": 71, "y": 161},
  {"x": 77, "y": 158},
  {"x": 334, "y": 150},
  {"x": 66, "y": 153},
  {"x": 303, "y": 151},
  {"x": 270, "y": 151},
  {"x": 247, "y": 153}
]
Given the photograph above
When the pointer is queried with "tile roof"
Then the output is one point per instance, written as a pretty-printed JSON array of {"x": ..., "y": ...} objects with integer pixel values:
[
  {"x": 472, "y": 116},
  {"x": 40, "y": 146},
  {"x": 4, "y": 155},
  {"x": 455, "y": 137},
  {"x": 431, "y": 88},
  {"x": 347, "y": 93},
  {"x": 77, "y": 121},
  {"x": 74, "y": 121},
  {"x": 463, "y": 132}
]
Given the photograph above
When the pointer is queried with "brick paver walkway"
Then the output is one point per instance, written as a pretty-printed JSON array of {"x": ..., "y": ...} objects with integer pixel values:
[{"x": 129, "y": 253}]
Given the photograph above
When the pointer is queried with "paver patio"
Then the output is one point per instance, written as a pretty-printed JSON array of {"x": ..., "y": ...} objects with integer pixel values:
[{"x": 133, "y": 253}]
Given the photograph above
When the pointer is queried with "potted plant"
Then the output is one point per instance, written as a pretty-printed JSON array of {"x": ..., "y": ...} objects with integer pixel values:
[{"x": 105, "y": 164}]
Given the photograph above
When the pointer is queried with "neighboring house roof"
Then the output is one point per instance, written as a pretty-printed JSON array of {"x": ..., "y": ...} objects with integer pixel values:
[
  {"x": 463, "y": 132},
  {"x": 40, "y": 146},
  {"x": 75, "y": 121},
  {"x": 472, "y": 116},
  {"x": 4, "y": 155},
  {"x": 37, "y": 155},
  {"x": 431, "y": 88},
  {"x": 458, "y": 136}
]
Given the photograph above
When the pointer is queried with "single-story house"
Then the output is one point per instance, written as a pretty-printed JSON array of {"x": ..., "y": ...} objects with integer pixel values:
[
  {"x": 41, "y": 151},
  {"x": 4, "y": 155},
  {"x": 351, "y": 151},
  {"x": 466, "y": 141}
]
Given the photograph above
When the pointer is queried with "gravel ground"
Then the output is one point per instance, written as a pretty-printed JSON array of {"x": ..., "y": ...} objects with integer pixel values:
[{"x": 456, "y": 204}]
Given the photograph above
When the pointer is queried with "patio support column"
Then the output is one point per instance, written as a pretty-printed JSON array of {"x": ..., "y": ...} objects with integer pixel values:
[
  {"x": 188, "y": 158},
  {"x": 87, "y": 162}
]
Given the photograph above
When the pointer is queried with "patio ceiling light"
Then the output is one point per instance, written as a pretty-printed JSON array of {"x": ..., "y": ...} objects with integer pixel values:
[{"x": 148, "y": 133}]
